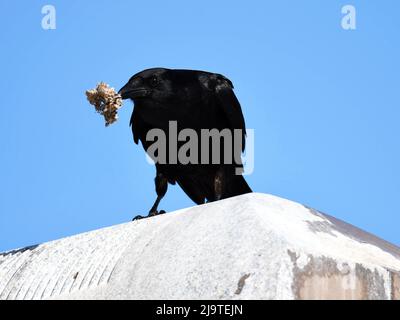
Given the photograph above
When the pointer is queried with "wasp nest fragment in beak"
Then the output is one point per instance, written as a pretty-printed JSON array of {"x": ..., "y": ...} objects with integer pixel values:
[{"x": 106, "y": 101}]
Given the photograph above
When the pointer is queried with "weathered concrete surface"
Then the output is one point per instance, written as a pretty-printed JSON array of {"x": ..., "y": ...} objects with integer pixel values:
[{"x": 255, "y": 246}]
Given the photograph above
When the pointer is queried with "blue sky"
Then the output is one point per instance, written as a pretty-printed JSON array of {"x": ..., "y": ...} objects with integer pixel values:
[{"x": 324, "y": 104}]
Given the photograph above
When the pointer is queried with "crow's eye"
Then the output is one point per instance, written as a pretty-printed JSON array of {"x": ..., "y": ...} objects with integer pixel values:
[{"x": 154, "y": 81}]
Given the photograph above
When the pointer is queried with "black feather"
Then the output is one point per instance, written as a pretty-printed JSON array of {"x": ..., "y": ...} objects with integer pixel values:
[{"x": 196, "y": 100}]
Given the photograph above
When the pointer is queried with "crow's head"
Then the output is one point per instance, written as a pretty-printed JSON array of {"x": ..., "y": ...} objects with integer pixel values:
[{"x": 148, "y": 84}]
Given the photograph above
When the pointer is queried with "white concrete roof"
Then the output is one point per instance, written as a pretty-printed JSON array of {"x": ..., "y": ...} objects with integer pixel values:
[{"x": 255, "y": 246}]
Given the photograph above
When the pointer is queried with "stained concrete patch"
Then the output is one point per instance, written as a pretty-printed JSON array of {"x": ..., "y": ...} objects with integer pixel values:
[
  {"x": 321, "y": 226},
  {"x": 332, "y": 224},
  {"x": 327, "y": 279},
  {"x": 395, "y": 278},
  {"x": 373, "y": 283},
  {"x": 241, "y": 283}
]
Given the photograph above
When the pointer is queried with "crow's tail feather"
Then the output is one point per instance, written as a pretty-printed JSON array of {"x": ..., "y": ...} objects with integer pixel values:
[{"x": 236, "y": 185}]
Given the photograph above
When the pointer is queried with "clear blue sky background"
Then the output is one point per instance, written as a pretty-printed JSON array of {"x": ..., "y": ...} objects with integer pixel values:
[{"x": 324, "y": 104}]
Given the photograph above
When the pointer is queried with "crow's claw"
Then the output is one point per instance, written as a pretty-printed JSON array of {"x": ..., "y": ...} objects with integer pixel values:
[
  {"x": 156, "y": 213},
  {"x": 138, "y": 217},
  {"x": 151, "y": 214}
]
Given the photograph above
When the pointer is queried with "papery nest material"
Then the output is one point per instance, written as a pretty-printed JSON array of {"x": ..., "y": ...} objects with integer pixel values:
[{"x": 106, "y": 101}]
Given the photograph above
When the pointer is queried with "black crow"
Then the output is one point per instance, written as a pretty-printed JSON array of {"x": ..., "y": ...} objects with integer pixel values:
[{"x": 196, "y": 100}]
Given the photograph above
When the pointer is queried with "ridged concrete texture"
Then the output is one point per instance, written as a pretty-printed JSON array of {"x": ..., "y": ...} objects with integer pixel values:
[{"x": 254, "y": 246}]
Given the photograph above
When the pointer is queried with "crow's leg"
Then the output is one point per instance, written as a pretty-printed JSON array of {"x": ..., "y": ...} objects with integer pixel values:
[
  {"x": 161, "y": 183},
  {"x": 219, "y": 184}
]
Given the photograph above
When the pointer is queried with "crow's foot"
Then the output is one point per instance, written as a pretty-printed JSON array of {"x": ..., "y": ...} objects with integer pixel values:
[
  {"x": 155, "y": 213},
  {"x": 138, "y": 217},
  {"x": 151, "y": 214}
]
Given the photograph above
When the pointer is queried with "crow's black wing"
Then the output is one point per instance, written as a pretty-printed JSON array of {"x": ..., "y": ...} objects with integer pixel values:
[{"x": 230, "y": 105}]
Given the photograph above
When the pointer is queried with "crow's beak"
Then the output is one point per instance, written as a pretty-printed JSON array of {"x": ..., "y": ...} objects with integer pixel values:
[{"x": 127, "y": 92}]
